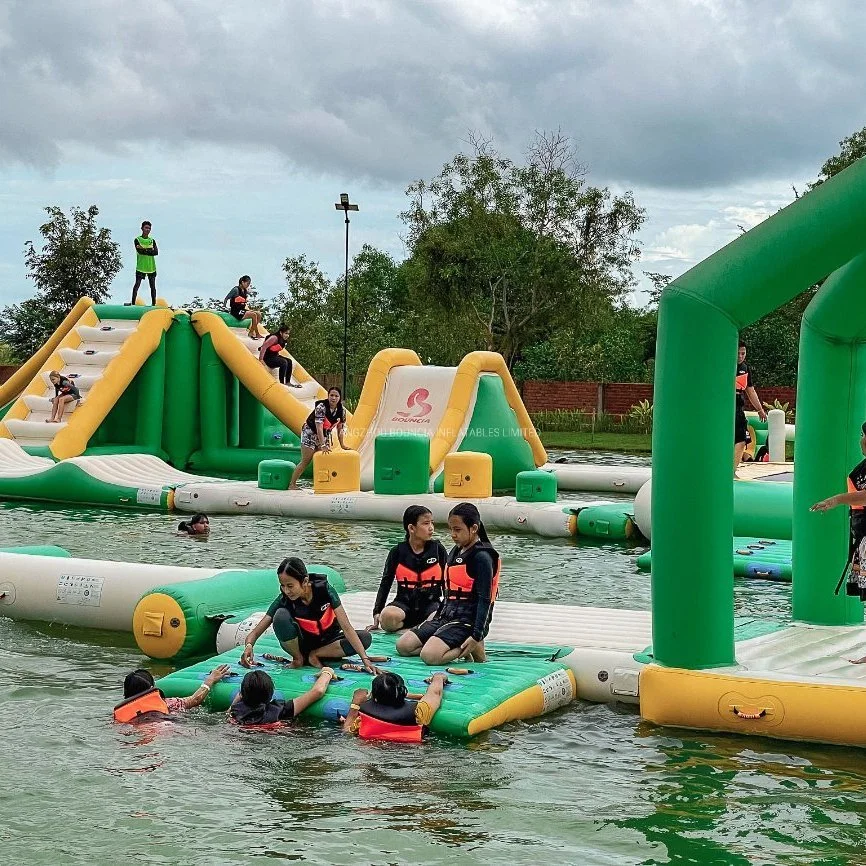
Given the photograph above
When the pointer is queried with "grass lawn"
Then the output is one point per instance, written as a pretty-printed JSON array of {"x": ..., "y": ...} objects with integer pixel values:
[{"x": 640, "y": 443}]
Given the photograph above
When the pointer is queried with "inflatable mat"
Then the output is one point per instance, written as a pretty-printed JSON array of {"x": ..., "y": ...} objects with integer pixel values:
[
  {"x": 518, "y": 682},
  {"x": 753, "y": 557}
]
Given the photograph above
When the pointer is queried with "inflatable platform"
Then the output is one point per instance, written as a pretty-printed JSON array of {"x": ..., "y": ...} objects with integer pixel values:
[
  {"x": 518, "y": 682},
  {"x": 762, "y": 558}
]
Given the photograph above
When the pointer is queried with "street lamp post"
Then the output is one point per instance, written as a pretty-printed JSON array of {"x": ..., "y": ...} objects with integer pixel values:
[{"x": 343, "y": 205}]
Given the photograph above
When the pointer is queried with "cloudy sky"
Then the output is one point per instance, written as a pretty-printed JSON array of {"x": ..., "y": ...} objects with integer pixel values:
[{"x": 234, "y": 126}]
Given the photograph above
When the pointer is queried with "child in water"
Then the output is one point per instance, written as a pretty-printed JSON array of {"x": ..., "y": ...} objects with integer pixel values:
[
  {"x": 198, "y": 525},
  {"x": 254, "y": 704},
  {"x": 471, "y": 585},
  {"x": 143, "y": 701},
  {"x": 386, "y": 712}
]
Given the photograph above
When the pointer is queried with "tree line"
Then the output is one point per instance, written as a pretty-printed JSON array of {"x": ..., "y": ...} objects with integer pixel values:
[{"x": 525, "y": 258}]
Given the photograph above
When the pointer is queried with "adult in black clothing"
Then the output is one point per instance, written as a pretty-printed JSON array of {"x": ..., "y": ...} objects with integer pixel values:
[
  {"x": 418, "y": 566},
  {"x": 744, "y": 388},
  {"x": 327, "y": 416}
]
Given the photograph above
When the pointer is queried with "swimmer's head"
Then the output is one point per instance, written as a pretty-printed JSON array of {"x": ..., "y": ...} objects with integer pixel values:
[
  {"x": 257, "y": 688},
  {"x": 418, "y": 522},
  {"x": 293, "y": 576},
  {"x": 741, "y": 352},
  {"x": 137, "y": 682},
  {"x": 389, "y": 689},
  {"x": 283, "y": 329}
]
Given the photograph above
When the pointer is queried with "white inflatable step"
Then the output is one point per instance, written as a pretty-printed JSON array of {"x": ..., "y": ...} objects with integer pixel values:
[
  {"x": 90, "y": 354},
  {"x": 83, "y": 377},
  {"x": 37, "y": 431},
  {"x": 44, "y": 405},
  {"x": 103, "y": 334}
]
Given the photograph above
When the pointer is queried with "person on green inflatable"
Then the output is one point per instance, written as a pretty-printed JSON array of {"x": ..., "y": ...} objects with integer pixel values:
[
  {"x": 744, "y": 388},
  {"x": 145, "y": 262}
]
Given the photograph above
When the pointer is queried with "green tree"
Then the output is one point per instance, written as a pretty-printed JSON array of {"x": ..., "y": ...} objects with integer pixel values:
[
  {"x": 851, "y": 148},
  {"x": 77, "y": 258},
  {"x": 507, "y": 253}
]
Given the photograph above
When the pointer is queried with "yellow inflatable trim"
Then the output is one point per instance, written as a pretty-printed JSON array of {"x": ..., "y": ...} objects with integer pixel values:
[
  {"x": 371, "y": 394},
  {"x": 16, "y": 383},
  {"x": 785, "y": 709},
  {"x": 36, "y": 387},
  {"x": 454, "y": 419},
  {"x": 254, "y": 376},
  {"x": 106, "y": 391},
  {"x": 528, "y": 704},
  {"x": 159, "y": 626}
]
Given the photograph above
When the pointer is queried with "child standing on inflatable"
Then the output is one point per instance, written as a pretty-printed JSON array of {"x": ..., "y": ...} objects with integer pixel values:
[
  {"x": 309, "y": 621},
  {"x": 145, "y": 262},
  {"x": 417, "y": 564},
  {"x": 327, "y": 416},
  {"x": 237, "y": 301},
  {"x": 744, "y": 388},
  {"x": 471, "y": 585}
]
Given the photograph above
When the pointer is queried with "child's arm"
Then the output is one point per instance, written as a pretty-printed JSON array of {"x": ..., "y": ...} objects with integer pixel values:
[
  {"x": 246, "y": 658},
  {"x": 198, "y": 696},
  {"x": 315, "y": 693},
  {"x": 352, "y": 636},
  {"x": 351, "y": 720},
  {"x": 855, "y": 497}
]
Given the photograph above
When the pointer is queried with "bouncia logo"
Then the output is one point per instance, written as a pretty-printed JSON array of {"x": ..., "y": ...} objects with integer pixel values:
[{"x": 418, "y": 408}]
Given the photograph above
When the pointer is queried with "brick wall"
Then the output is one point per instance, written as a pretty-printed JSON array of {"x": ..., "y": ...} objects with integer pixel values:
[
  {"x": 614, "y": 398},
  {"x": 6, "y": 371}
]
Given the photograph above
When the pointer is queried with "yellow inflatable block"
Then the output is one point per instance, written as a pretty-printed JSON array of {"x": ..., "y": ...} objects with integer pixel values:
[
  {"x": 746, "y": 704},
  {"x": 468, "y": 475},
  {"x": 336, "y": 471}
]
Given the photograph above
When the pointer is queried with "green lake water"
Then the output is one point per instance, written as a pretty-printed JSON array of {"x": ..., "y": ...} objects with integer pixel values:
[{"x": 589, "y": 784}]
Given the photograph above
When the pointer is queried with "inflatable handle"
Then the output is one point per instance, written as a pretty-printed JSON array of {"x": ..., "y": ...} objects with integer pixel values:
[{"x": 751, "y": 713}]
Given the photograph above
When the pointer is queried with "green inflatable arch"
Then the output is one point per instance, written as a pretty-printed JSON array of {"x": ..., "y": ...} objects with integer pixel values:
[{"x": 700, "y": 316}]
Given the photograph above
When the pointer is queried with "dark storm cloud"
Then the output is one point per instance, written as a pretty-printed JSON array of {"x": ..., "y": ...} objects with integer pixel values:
[{"x": 657, "y": 93}]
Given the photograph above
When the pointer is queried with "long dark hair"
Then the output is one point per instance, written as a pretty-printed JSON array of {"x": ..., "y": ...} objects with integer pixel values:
[
  {"x": 470, "y": 515},
  {"x": 257, "y": 688},
  {"x": 294, "y": 567},
  {"x": 412, "y": 515}
]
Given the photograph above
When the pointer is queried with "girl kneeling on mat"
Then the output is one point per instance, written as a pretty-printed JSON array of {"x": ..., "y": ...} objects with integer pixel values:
[
  {"x": 417, "y": 564},
  {"x": 471, "y": 584},
  {"x": 309, "y": 621}
]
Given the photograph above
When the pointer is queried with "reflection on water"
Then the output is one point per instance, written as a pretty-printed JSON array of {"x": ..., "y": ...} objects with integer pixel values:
[{"x": 588, "y": 784}]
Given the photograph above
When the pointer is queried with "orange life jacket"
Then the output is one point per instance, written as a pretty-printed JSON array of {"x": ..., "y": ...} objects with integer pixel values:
[
  {"x": 317, "y": 618},
  {"x": 395, "y": 724},
  {"x": 278, "y": 346},
  {"x": 741, "y": 381},
  {"x": 239, "y": 300},
  {"x": 133, "y": 708},
  {"x": 418, "y": 572},
  {"x": 458, "y": 578}
]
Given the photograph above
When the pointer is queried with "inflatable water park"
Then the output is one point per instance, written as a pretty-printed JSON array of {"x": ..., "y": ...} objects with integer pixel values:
[{"x": 177, "y": 415}]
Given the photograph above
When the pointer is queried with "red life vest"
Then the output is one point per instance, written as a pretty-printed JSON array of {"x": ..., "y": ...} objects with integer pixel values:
[
  {"x": 852, "y": 488},
  {"x": 240, "y": 299},
  {"x": 418, "y": 572},
  {"x": 278, "y": 346},
  {"x": 741, "y": 381},
  {"x": 460, "y": 581},
  {"x": 317, "y": 619},
  {"x": 132, "y": 709},
  {"x": 395, "y": 724}
]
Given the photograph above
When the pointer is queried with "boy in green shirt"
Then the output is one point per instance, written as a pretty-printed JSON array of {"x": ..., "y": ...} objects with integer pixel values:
[{"x": 145, "y": 263}]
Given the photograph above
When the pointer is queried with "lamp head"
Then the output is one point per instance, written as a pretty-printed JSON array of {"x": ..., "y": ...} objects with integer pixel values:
[{"x": 344, "y": 198}]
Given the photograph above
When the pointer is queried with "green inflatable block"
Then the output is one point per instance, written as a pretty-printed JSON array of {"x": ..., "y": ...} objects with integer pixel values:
[
  {"x": 401, "y": 463},
  {"x": 275, "y": 474},
  {"x": 535, "y": 485}
]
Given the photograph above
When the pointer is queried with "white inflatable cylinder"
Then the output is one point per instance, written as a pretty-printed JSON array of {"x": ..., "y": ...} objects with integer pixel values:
[
  {"x": 233, "y": 634},
  {"x": 776, "y": 435},
  {"x": 82, "y": 592},
  {"x": 643, "y": 509},
  {"x": 595, "y": 478},
  {"x": 789, "y": 432}
]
